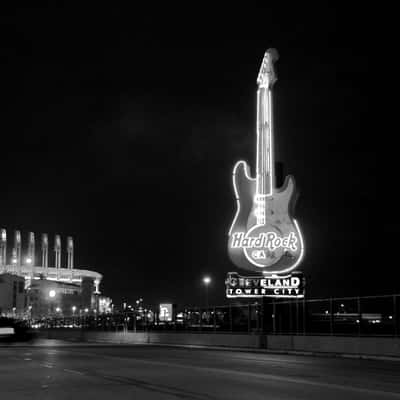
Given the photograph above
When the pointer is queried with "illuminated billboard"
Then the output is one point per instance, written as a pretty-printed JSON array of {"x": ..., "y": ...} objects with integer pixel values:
[
  {"x": 264, "y": 236},
  {"x": 292, "y": 285},
  {"x": 165, "y": 312}
]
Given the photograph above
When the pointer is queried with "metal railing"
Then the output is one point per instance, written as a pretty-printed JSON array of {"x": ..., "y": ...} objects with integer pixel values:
[{"x": 352, "y": 316}]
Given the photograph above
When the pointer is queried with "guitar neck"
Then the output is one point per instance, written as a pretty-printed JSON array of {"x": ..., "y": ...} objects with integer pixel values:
[{"x": 265, "y": 154}]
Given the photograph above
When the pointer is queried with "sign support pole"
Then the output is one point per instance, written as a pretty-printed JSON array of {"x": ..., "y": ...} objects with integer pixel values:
[
  {"x": 230, "y": 318},
  {"x": 395, "y": 316},
  {"x": 249, "y": 317},
  {"x": 274, "y": 317},
  {"x": 215, "y": 319}
]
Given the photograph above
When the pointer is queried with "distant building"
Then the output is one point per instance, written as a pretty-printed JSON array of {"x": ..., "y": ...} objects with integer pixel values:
[
  {"x": 13, "y": 297},
  {"x": 105, "y": 305}
]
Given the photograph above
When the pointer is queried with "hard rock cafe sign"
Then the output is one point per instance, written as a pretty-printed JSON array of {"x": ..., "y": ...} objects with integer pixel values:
[{"x": 264, "y": 237}]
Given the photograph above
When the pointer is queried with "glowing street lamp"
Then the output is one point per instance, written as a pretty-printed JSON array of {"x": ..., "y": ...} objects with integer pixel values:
[
  {"x": 206, "y": 281},
  {"x": 52, "y": 293},
  {"x": 73, "y": 310}
]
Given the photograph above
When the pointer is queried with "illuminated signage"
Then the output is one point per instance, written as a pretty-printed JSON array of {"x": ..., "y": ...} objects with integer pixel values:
[
  {"x": 70, "y": 291},
  {"x": 3, "y": 236},
  {"x": 264, "y": 236},
  {"x": 166, "y": 312},
  {"x": 105, "y": 305},
  {"x": 291, "y": 285}
]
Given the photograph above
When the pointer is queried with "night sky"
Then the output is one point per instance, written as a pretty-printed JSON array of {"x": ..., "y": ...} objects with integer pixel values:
[{"x": 121, "y": 127}]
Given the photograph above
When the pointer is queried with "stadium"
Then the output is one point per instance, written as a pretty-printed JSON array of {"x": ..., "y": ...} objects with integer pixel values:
[{"x": 47, "y": 290}]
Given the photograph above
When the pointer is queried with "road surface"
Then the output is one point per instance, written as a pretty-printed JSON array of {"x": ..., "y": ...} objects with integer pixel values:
[{"x": 58, "y": 370}]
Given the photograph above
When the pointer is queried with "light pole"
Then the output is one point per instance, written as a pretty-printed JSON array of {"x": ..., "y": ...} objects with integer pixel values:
[
  {"x": 139, "y": 304},
  {"x": 206, "y": 281},
  {"x": 52, "y": 295}
]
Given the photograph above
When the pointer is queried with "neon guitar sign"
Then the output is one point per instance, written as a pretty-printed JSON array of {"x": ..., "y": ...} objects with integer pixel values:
[{"x": 264, "y": 236}]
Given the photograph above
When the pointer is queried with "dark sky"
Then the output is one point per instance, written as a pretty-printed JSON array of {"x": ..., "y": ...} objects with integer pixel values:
[{"x": 121, "y": 127}]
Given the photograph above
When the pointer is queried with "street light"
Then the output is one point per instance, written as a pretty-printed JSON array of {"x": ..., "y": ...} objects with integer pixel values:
[
  {"x": 52, "y": 293},
  {"x": 206, "y": 281}
]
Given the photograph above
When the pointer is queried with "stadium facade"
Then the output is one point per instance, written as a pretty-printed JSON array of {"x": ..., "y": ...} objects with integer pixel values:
[{"x": 50, "y": 289}]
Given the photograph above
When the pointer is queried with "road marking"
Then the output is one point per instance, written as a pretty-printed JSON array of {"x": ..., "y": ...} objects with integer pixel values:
[{"x": 47, "y": 365}]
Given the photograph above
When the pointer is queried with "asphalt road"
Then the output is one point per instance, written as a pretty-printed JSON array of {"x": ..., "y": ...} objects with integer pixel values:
[{"x": 57, "y": 370}]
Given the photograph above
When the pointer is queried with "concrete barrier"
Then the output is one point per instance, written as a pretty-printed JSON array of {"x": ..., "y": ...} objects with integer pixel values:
[
  {"x": 207, "y": 339},
  {"x": 357, "y": 346},
  {"x": 349, "y": 345},
  {"x": 360, "y": 346},
  {"x": 121, "y": 337}
]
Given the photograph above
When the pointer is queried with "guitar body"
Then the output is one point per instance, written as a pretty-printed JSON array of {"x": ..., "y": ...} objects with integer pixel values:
[
  {"x": 264, "y": 236},
  {"x": 279, "y": 209},
  {"x": 245, "y": 189}
]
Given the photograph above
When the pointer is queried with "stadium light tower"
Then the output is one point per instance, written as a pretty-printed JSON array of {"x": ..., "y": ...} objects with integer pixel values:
[
  {"x": 70, "y": 256},
  {"x": 30, "y": 260},
  {"x": 57, "y": 251},
  {"x": 17, "y": 248},
  {"x": 70, "y": 252},
  {"x": 3, "y": 248},
  {"x": 3, "y": 245},
  {"x": 45, "y": 251}
]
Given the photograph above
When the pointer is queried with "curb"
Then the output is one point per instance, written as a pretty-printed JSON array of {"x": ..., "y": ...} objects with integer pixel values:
[
  {"x": 288, "y": 352},
  {"x": 73, "y": 343}
]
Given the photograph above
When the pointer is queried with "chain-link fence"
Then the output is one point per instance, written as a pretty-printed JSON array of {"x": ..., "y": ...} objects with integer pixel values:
[{"x": 353, "y": 316}]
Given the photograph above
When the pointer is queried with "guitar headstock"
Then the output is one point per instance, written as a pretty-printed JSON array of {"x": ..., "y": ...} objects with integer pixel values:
[{"x": 267, "y": 76}]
